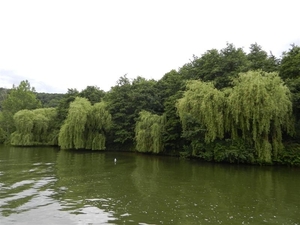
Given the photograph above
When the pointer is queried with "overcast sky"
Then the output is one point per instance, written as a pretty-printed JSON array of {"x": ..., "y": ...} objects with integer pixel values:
[{"x": 63, "y": 44}]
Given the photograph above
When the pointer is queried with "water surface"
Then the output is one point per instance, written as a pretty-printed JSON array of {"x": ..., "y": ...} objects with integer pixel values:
[{"x": 49, "y": 186}]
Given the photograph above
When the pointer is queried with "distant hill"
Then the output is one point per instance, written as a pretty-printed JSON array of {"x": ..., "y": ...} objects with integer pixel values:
[{"x": 49, "y": 99}]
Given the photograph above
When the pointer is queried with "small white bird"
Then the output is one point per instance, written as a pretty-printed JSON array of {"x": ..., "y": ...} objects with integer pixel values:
[{"x": 115, "y": 160}]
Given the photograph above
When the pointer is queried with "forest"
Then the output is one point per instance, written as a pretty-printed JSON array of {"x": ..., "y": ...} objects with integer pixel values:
[{"x": 223, "y": 106}]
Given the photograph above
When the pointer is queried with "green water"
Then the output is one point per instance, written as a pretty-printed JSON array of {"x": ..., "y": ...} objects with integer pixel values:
[{"x": 48, "y": 186}]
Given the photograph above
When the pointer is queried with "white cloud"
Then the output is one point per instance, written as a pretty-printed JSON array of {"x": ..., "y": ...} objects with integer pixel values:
[{"x": 72, "y": 44}]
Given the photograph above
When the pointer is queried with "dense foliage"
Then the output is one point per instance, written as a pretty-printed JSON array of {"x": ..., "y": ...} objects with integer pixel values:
[
  {"x": 260, "y": 107},
  {"x": 125, "y": 101},
  {"x": 85, "y": 126},
  {"x": 49, "y": 99},
  {"x": 225, "y": 106},
  {"x": 35, "y": 127},
  {"x": 248, "y": 111},
  {"x": 148, "y": 132},
  {"x": 20, "y": 97}
]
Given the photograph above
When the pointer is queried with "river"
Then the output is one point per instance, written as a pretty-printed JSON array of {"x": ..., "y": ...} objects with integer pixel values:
[{"x": 51, "y": 186}]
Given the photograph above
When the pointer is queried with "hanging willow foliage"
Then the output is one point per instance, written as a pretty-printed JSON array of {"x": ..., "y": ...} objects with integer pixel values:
[
  {"x": 44, "y": 129},
  {"x": 148, "y": 132},
  {"x": 71, "y": 135},
  {"x": 85, "y": 126},
  {"x": 98, "y": 124},
  {"x": 33, "y": 127},
  {"x": 257, "y": 109},
  {"x": 260, "y": 106},
  {"x": 23, "y": 120},
  {"x": 203, "y": 103}
]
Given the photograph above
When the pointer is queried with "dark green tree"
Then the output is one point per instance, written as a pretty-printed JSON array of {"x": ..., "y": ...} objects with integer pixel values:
[
  {"x": 122, "y": 110},
  {"x": 49, "y": 100},
  {"x": 2, "y": 132},
  {"x": 3, "y": 95},
  {"x": 290, "y": 66},
  {"x": 93, "y": 93},
  {"x": 208, "y": 67},
  {"x": 125, "y": 101},
  {"x": 170, "y": 88},
  {"x": 234, "y": 61},
  {"x": 63, "y": 105},
  {"x": 217, "y": 66},
  {"x": 290, "y": 72},
  {"x": 259, "y": 59}
]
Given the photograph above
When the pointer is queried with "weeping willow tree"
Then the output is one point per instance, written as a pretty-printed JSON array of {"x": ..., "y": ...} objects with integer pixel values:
[
  {"x": 45, "y": 130},
  {"x": 34, "y": 127},
  {"x": 148, "y": 132},
  {"x": 259, "y": 110},
  {"x": 201, "y": 111},
  {"x": 85, "y": 126},
  {"x": 23, "y": 136},
  {"x": 72, "y": 132},
  {"x": 98, "y": 124}
]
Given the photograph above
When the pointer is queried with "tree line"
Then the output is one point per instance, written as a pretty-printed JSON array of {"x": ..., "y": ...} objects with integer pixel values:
[{"x": 225, "y": 106}]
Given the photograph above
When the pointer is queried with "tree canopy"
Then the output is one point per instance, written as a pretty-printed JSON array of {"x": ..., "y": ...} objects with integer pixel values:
[
  {"x": 85, "y": 126},
  {"x": 125, "y": 101},
  {"x": 289, "y": 66},
  {"x": 18, "y": 98},
  {"x": 35, "y": 127},
  {"x": 224, "y": 105},
  {"x": 93, "y": 93},
  {"x": 148, "y": 132},
  {"x": 205, "y": 105},
  {"x": 260, "y": 107},
  {"x": 257, "y": 109}
]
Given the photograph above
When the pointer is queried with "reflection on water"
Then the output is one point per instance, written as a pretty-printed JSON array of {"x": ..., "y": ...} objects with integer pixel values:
[{"x": 74, "y": 187}]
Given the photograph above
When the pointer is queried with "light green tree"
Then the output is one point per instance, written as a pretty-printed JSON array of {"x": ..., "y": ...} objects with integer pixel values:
[
  {"x": 205, "y": 105},
  {"x": 97, "y": 126},
  {"x": 34, "y": 127},
  {"x": 258, "y": 110},
  {"x": 71, "y": 135},
  {"x": 85, "y": 126},
  {"x": 21, "y": 97},
  {"x": 148, "y": 132}
]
